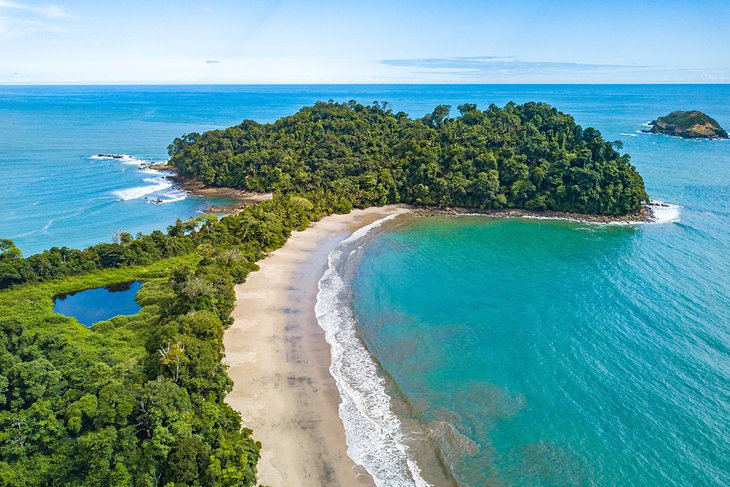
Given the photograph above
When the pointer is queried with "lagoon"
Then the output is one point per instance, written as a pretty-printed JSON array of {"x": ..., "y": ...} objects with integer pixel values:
[{"x": 99, "y": 304}]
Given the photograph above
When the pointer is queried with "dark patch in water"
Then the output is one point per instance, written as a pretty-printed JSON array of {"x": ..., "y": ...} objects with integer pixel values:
[{"x": 91, "y": 306}]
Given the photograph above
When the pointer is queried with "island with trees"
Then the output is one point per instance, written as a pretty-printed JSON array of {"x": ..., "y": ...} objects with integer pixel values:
[
  {"x": 140, "y": 400},
  {"x": 688, "y": 125},
  {"x": 527, "y": 156}
]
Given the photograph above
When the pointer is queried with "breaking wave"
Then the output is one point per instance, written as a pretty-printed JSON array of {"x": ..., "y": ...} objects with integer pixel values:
[
  {"x": 664, "y": 212},
  {"x": 155, "y": 185},
  {"x": 374, "y": 436}
]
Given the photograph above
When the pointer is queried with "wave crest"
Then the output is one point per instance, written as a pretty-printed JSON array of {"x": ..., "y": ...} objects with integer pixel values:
[
  {"x": 123, "y": 158},
  {"x": 155, "y": 185},
  {"x": 664, "y": 212},
  {"x": 373, "y": 432}
]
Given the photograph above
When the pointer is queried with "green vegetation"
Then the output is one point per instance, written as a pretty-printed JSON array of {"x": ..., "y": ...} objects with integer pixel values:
[
  {"x": 521, "y": 156},
  {"x": 136, "y": 400},
  {"x": 689, "y": 125},
  {"x": 139, "y": 400}
]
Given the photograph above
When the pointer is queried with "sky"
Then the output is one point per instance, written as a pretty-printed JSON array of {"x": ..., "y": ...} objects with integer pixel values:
[{"x": 393, "y": 41}]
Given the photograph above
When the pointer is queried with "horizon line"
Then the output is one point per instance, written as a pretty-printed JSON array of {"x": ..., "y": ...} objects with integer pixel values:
[{"x": 152, "y": 83}]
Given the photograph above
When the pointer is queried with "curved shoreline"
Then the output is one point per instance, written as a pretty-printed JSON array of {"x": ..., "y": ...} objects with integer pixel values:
[
  {"x": 279, "y": 360},
  {"x": 240, "y": 198},
  {"x": 646, "y": 215},
  {"x": 280, "y": 357},
  {"x": 375, "y": 435}
]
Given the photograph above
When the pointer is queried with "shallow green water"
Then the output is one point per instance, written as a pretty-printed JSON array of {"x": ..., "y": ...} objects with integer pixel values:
[
  {"x": 556, "y": 353},
  {"x": 536, "y": 352},
  {"x": 560, "y": 353}
]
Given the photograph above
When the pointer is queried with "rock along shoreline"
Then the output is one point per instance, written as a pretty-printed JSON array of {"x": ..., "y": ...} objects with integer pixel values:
[
  {"x": 239, "y": 199},
  {"x": 645, "y": 215},
  {"x": 242, "y": 198}
]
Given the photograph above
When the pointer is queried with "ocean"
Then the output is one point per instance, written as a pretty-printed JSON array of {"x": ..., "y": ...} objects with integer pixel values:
[{"x": 497, "y": 351}]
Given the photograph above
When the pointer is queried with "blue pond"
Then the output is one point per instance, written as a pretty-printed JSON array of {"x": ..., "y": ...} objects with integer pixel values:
[{"x": 93, "y": 305}]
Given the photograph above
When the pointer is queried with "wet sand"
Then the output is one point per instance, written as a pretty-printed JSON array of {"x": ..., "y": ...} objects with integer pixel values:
[{"x": 279, "y": 361}]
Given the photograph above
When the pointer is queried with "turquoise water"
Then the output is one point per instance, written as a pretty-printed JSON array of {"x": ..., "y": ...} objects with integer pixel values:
[
  {"x": 534, "y": 352},
  {"x": 537, "y": 352},
  {"x": 53, "y": 193},
  {"x": 560, "y": 353},
  {"x": 102, "y": 303}
]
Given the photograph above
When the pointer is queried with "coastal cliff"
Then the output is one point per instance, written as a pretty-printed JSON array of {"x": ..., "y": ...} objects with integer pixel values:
[{"x": 688, "y": 125}]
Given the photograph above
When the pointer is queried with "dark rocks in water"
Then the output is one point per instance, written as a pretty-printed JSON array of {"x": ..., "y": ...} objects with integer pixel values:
[
  {"x": 113, "y": 156},
  {"x": 689, "y": 125}
]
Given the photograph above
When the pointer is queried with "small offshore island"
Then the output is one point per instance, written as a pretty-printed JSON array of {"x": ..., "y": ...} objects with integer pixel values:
[
  {"x": 153, "y": 399},
  {"x": 688, "y": 125}
]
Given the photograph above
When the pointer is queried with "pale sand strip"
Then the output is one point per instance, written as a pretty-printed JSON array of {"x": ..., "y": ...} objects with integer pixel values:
[{"x": 279, "y": 361}]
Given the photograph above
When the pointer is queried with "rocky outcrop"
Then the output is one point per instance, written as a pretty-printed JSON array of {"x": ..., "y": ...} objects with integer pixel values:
[{"x": 689, "y": 125}]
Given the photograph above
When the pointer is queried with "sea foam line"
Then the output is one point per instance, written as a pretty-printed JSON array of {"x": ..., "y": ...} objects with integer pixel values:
[
  {"x": 173, "y": 196},
  {"x": 156, "y": 184},
  {"x": 374, "y": 436},
  {"x": 123, "y": 158},
  {"x": 664, "y": 212}
]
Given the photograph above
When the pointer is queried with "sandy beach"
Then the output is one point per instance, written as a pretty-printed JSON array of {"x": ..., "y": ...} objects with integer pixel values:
[{"x": 279, "y": 361}]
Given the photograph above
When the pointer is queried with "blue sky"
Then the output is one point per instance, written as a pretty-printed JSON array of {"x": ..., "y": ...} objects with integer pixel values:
[{"x": 278, "y": 41}]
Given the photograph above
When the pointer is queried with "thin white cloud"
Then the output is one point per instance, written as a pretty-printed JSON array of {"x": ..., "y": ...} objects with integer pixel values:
[
  {"x": 501, "y": 64},
  {"x": 48, "y": 11},
  {"x": 508, "y": 69},
  {"x": 13, "y": 27}
]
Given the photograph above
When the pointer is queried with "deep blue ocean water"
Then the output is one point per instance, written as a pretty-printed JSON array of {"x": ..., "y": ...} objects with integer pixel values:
[
  {"x": 54, "y": 194},
  {"x": 534, "y": 352}
]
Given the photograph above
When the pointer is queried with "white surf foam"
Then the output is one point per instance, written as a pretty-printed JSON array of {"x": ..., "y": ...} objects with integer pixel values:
[
  {"x": 122, "y": 158},
  {"x": 155, "y": 185},
  {"x": 664, "y": 212},
  {"x": 173, "y": 195},
  {"x": 373, "y": 432},
  {"x": 661, "y": 213},
  {"x": 630, "y": 135}
]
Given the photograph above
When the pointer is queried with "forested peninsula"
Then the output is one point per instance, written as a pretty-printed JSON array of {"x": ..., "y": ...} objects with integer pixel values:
[
  {"x": 140, "y": 400},
  {"x": 527, "y": 156}
]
